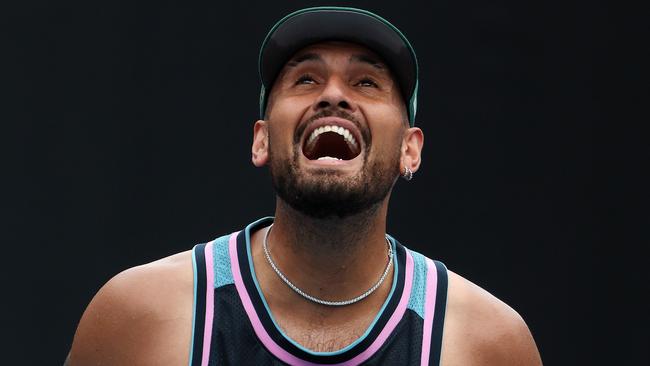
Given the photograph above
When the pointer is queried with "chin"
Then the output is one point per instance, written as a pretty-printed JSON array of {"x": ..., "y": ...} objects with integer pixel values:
[{"x": 329, "y": 192}]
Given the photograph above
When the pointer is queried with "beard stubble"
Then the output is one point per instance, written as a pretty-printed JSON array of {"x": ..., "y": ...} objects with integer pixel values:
[{"x": 325, "y": 193}]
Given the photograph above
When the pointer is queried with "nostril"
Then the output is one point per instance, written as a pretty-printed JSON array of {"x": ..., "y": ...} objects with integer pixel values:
[
  {"x": 323, "y": 104},
  {"x": 344, "y": 104}
]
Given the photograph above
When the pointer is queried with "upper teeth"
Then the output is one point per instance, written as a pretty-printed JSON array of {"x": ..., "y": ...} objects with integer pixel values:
[{"x": 338, "y": 129}]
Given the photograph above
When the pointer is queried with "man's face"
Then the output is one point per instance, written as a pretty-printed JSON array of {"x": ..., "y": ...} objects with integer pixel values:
[{"x": 335, "y": 121}]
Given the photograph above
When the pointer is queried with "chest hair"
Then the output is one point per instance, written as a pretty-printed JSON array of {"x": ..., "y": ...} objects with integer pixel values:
[{"x": 321, "y": 337}]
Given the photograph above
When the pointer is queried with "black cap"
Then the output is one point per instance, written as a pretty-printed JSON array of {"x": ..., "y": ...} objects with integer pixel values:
[{"x": 308, "y": 26}]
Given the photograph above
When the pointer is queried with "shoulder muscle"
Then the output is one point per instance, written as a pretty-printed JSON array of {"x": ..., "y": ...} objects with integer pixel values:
[
  {"x": 481, "y": 329},
  {"x": 127, "y": 320}
]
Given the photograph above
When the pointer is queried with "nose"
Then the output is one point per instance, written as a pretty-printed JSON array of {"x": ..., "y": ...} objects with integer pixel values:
[{"x": 335, "y": 93}]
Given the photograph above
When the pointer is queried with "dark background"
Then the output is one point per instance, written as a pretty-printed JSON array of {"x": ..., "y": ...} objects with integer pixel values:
[{"x": 129, "y": 140}]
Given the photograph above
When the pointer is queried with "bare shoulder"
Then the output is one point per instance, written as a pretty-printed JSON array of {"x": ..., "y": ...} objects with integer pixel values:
[
  {"x": 142, "y": 316},
  {"x": 483, "y": 330}
]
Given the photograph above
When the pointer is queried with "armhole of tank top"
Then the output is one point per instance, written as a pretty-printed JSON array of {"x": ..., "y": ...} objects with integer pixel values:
[
  {"x": 439, "y": 313},
  {"x": 199, "y": 306}
]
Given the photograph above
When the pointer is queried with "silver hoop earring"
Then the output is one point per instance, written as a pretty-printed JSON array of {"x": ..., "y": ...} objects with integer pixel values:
[{"x": 408, "y": 174}]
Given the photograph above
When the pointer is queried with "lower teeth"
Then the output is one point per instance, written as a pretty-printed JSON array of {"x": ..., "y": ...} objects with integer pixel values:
[{"x": 327, "y": 158}]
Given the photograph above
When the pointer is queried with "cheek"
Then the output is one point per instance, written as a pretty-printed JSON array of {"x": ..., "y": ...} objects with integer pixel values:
[
  {"x": 281, "y": 140},
  {"x": 387, "y": 127},
  {"x": 386, "y": 111},
  {"x": 284, "y": 117},
  {"x": 288, "y": 108},
  {"x": 280, "y": 143}
]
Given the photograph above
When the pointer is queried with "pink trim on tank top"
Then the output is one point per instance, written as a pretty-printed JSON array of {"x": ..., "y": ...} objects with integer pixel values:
[
  {"x": 287, "y": 357},
  {"x": 429, "y": 310},
  {"x": 209, "y": 302},
  {"x": 394, "y": 319}
]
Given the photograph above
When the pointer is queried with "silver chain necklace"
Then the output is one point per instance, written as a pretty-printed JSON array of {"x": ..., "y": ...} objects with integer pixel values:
[{"x": 315, "y": 299}]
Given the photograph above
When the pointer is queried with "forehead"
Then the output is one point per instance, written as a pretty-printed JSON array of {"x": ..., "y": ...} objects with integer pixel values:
[{"x": 330, "y": 50}]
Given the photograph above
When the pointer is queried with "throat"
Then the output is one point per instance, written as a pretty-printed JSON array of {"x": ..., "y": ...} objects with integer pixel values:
[
  {"x": 327, "y": 241},
  {"x": 327, "y": 260}
]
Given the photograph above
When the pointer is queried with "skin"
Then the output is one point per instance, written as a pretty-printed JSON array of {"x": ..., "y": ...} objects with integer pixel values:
[{"x": 143, "y": 315}]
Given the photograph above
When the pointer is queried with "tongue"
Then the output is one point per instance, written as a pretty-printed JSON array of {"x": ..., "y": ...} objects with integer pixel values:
[{"x": 329, "y": 144}]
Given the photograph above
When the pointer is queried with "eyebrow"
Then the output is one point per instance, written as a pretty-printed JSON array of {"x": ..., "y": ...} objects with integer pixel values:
[
  {"x": 362, "y": 58},
  {"x": 305, "y": 57},
  {"x": 367, "y": 59}
]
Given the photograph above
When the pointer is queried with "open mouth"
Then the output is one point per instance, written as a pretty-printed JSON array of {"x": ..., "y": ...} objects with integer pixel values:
[{"x": 331, "y": 142}]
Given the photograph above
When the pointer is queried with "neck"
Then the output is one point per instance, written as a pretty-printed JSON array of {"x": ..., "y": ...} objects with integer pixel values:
[{"x": 333, "y": 258}]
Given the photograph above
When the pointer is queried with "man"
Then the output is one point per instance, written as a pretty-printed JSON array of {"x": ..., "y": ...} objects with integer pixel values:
[{"x": 321, "y": 282}]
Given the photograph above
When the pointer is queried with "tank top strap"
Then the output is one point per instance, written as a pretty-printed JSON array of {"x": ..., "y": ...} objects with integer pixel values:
[
  {"x": 199, "y": 304},
  {"x": 434, "y": 312},
  {"x": 203, "y": 262}
]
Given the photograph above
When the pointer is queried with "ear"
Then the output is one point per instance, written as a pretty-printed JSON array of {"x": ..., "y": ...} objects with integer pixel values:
[
  {"x": 260, "y": 148},
  {"x": 412, "y": 144}
]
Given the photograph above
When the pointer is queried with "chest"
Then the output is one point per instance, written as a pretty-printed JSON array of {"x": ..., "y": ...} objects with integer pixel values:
[
  {"x": 238, "y": 338},
  {"x": 319, "y": 336}
]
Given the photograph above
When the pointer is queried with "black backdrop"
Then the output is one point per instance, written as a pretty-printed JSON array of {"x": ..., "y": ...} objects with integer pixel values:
[{"x": 133, "y": 123}]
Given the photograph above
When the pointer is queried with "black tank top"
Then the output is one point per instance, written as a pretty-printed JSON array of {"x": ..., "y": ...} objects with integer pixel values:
[{"x": 232, "y": 324}]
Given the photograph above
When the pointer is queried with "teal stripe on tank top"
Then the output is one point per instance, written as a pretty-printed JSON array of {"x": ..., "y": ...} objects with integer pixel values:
[
  {"x": 418, "y": 291},
  {"x": 223, "y": 272}
]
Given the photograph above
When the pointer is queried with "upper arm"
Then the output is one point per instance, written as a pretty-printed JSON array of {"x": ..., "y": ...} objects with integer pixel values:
[
  {"x": 512, "y": 343},
  {"x": 139, "y": 315},
  {"x": 109, "y": 328},
  {"x": 482, "y": 330}
]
